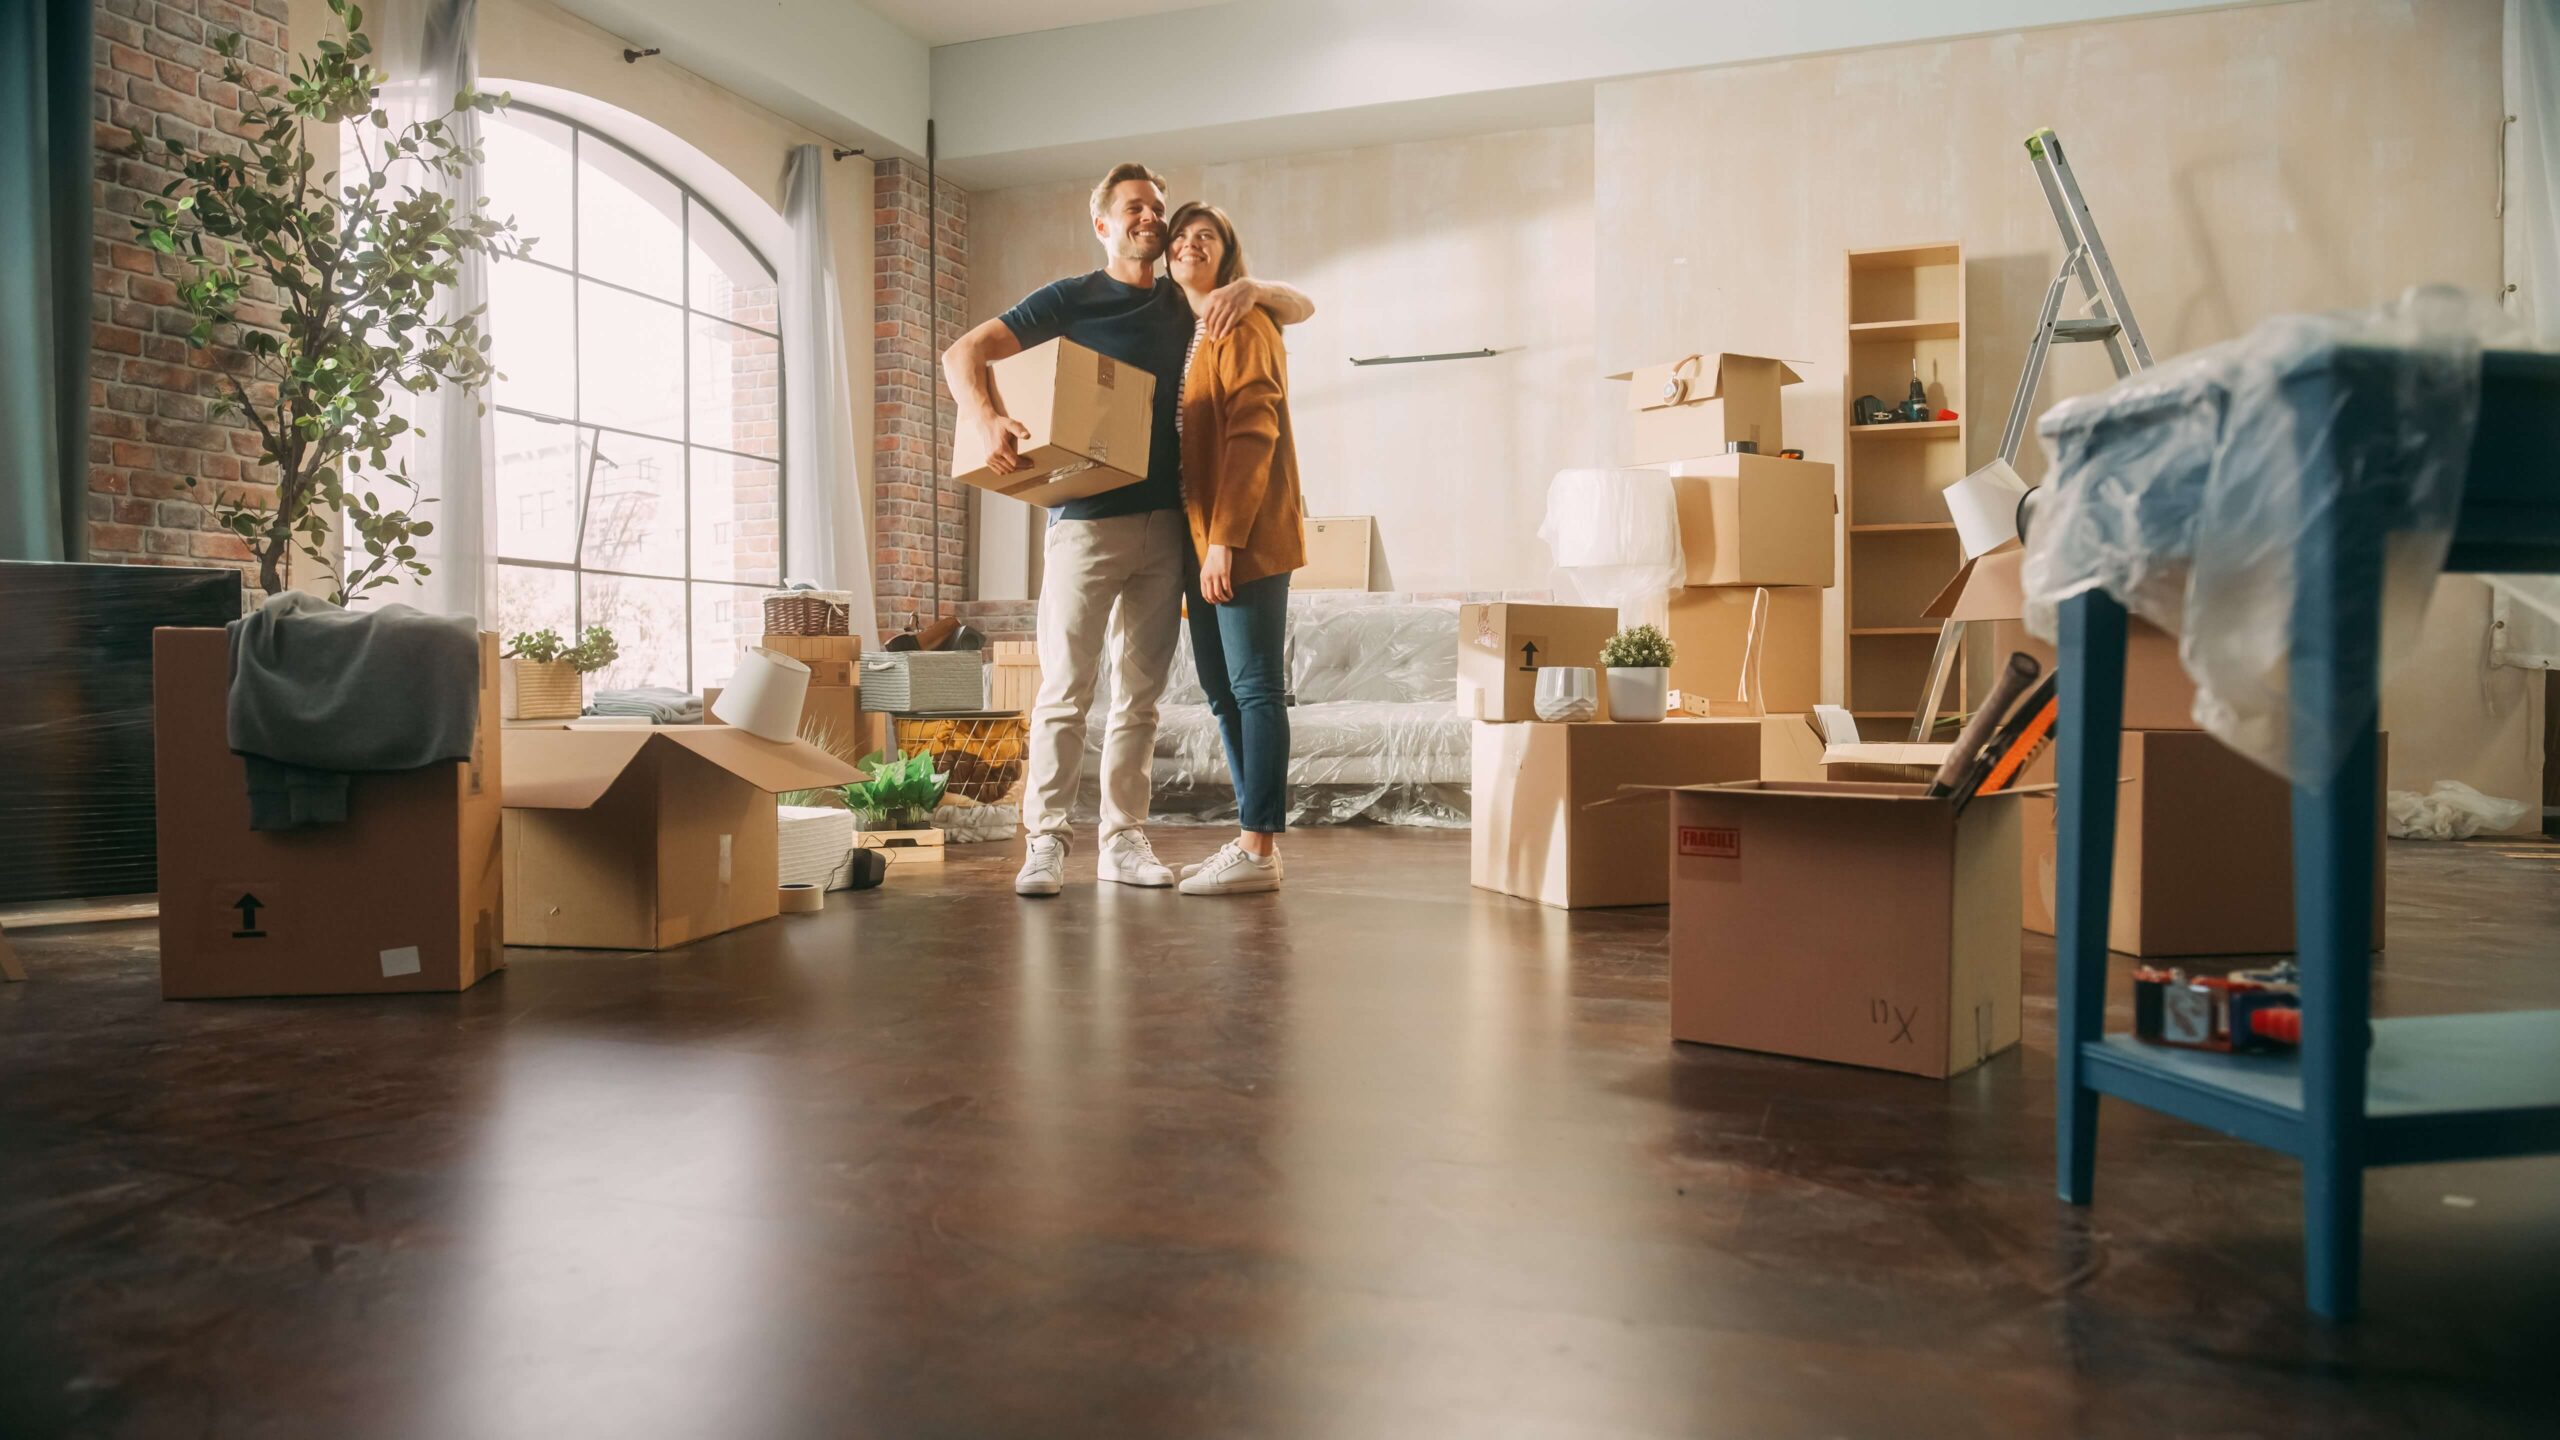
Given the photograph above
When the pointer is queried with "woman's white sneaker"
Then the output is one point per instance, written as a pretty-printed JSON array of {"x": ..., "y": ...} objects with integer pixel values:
[
  {"x": 1044, "y": 867},
  {"x": 1233, "y": 872}
]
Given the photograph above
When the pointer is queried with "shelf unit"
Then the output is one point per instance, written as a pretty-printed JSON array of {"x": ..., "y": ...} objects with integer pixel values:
[{"x": 1905, "y": 305}]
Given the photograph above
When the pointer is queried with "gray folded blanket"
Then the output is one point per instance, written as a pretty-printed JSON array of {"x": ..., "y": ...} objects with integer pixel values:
[{"x": 319, "y": 693}]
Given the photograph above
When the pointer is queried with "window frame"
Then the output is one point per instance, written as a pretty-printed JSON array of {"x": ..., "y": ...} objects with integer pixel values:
[{"x": 590, "y": 434}]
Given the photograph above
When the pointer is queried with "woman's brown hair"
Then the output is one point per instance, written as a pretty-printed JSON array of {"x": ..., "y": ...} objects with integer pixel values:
[{"x": 1231, "y": 262}]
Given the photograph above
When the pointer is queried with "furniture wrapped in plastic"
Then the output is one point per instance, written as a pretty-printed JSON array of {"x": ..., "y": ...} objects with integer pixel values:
[
  {"x": 1373, "y": 731},
  {"x": 76, "y": 780},
  {"x": 1615, "y": 536},
  {"x": 2179, "y": 492}
]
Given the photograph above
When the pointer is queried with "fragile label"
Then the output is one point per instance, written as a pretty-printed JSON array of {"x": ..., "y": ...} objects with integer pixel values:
[{"x": 1711, "y": 842}]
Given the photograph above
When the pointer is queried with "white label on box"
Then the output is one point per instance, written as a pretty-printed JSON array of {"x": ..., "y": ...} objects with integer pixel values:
[{"x": 403, "y": 961}]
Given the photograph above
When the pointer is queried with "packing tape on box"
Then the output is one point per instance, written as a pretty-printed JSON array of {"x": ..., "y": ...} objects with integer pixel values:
[
  {"x": 1985, "y": 507},
  {"x": 803, "y": 899},
  {"x": 765, "y": 695}
]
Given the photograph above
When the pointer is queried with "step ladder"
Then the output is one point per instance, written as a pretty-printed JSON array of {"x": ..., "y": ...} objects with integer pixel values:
[{"x": 2105, "y": 319}]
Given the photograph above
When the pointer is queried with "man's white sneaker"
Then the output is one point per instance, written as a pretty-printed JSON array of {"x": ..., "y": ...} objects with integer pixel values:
[
  {"x": 1128, "y": 859},
  {"x": 1233, "y": 872},
  {"x": 1044, "y": 867}
]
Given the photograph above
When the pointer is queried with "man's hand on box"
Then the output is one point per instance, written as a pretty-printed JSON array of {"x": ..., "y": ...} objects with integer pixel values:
[{"x": 999, "y": 436}]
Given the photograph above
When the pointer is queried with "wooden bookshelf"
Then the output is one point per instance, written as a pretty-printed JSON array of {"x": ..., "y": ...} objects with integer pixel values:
[{"x": 1906, "y": 306}]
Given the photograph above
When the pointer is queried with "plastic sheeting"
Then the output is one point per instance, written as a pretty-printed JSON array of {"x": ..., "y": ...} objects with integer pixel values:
[
  {"x": 1373, "y": 731},
  {"x": 2184, "y": 492},
  {"x": 1615, "y": 535},
  {"x": 2450, "y": 811}
]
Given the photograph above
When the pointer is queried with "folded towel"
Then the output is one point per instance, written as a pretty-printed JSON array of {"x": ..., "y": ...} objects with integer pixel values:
[{"x": 664, "y": 705}]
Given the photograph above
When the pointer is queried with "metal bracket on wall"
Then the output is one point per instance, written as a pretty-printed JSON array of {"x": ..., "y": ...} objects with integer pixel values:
[{"x": 1420, "y": 359}]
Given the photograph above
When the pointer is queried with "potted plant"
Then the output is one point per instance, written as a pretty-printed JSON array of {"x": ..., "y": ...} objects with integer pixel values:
[
  {"x": 546, "y": 675},
  {"x": 893, "y": 810},
  {"x": 330, "y": 294},
  {"x": 1638, "y": 659}
]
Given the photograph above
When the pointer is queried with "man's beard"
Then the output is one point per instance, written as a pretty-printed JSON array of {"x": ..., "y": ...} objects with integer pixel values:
[{"x": 1134, "y": 246}]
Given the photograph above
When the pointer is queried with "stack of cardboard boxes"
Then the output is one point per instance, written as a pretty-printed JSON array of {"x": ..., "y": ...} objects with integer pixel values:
[
  {"x": 1750, "y": 519},
  {"x": 832, "y": 717},
  {"x": 1573, "y": 815}
]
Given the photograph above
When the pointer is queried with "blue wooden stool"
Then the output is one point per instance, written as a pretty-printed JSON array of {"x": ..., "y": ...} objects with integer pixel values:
[{"x": 2434, "y": 1089}]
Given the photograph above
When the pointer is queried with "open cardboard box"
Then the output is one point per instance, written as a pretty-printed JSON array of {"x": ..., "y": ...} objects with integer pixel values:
[
  {"x": 1855, "y": 923},
  {"x": 647, "y": 837},
  {"x": 1990, "y": 588},
  {"x": 1713, "y": 629},
  {"x": 1091, "y": 419},
  {"x": 1699, "y": 404},
  {"x": 403, "y": 896}
]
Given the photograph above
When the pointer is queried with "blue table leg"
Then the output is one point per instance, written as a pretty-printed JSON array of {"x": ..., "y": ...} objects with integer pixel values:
[
  {"x": 2092, "y": 689},
  {"x": 2335, "y": 672}
]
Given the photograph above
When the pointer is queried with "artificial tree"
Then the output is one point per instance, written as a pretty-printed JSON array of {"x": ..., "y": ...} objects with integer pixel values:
[{"x": 327, "y": 286}]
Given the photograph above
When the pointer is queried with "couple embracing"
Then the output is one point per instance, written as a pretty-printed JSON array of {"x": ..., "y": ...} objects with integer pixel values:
[{"x": 1214, "y": 530}]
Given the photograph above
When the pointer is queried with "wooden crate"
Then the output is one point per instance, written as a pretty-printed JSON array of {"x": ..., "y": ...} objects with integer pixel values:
[{"x": 902, "y": 847}]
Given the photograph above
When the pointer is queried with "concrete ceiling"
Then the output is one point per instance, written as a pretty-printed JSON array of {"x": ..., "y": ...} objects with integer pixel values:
[{"x": 956, "y": 22}]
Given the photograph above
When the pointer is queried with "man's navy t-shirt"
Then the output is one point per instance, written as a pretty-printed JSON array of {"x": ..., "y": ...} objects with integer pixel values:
[{"x": 1150, "y": 329}]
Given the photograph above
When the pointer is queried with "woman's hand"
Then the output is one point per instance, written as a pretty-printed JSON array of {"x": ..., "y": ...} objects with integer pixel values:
[{"x": 1218, "y": 575}]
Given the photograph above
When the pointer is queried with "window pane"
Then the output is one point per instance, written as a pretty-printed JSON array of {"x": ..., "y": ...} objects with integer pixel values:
[
  {"x": 737, "y": 518},
  {"x": 737, "y": 388},
  {"x": 630, "y": 221},
  {"x": 635, "y": 510},
  {"x": 528, "y": 178},
  {"x": 726, "y": 618},
  {"x": 532, "y": 328},
  {"x": 726, "y": 277},
  {"x": 631, "y": 353},
  {"x": 535, "y": 600},
  {"x": 540, "y": 465},
  {"x": 647, "y": 618}
]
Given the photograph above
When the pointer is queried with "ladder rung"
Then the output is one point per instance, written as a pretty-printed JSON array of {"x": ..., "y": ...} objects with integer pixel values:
[{"x": 2079, "y": 332}]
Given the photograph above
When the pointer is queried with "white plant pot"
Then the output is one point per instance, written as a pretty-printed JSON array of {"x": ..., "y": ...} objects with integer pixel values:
[{"x": 1639, "y": 696}]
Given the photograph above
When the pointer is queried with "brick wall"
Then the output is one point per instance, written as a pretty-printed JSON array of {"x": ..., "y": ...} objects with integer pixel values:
[
  {"x": 147, "y": 390},
  {"x": 906, "y": 381}
]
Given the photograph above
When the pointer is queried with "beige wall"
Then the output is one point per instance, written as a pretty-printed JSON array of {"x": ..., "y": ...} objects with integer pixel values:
[
  {"x": 533, "y": 41},
  {"x": 2241, "y": 163},
  {"x": 1472, "y": 243}
]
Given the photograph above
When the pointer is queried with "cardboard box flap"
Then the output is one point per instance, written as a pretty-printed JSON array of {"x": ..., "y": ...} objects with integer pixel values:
[
  {"x": 1886, "y": 752},
  {"x": 768, "y": 766},
  {"x": 566, "y": 769},
  {"x": 1990, "y": 587},
  {"x": 1690, "y": 380}
]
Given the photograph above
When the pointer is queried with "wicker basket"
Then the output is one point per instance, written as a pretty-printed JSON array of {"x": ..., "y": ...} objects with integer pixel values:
[
  {"x": 808, "y": 612},
  {"x": 544, "y": 690},
  {"x": 981, "y": 755}
]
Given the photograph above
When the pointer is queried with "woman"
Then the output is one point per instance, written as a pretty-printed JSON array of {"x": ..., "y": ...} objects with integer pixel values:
[{"x": 1240, "y": 485}]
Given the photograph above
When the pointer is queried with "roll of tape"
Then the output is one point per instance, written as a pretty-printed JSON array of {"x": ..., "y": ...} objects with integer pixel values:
[
  {"x": 765, "y": 696},
  {"x": 802, "y": 899}
]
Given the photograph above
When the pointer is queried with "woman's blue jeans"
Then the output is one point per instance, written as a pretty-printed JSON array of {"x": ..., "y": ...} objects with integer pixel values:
[{"x": 1241, "y": 650}]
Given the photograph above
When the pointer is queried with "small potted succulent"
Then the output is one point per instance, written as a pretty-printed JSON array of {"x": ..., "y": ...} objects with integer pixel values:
[
  {"x": 1638, "y": 660},
  {"x": 546, "y": 675},
  {"x": 893, "y": 810}
]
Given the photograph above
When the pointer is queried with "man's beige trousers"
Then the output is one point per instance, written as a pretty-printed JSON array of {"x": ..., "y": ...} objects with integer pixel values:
[{"x": 1111, "y": 589}]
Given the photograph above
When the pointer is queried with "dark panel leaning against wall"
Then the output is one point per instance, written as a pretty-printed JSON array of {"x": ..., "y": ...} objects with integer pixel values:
[{"x": 76, "y": 811}]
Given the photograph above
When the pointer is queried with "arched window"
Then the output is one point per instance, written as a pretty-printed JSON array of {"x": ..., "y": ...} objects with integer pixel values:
[{"x": 639, "y": 421}]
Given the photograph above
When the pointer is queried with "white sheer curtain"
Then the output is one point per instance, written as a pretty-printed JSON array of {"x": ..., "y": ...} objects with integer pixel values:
[
  {"x": 826, "y": 541},
  {"x": 428, "y": 51}
]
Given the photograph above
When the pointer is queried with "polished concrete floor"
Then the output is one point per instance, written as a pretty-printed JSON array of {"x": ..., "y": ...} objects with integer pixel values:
[{"x": 1380, "y": 1156}]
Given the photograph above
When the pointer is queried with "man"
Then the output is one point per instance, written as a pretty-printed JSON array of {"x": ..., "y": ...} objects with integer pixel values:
[{"x": 1113, "y": 569}]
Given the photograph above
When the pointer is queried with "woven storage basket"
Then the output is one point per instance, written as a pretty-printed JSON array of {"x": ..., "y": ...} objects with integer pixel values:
[
  {"x": 545, "y": 690},
  {"x": 909, "y": 682},
  {"x": 981, "y": 756},
  {"x": 808, "y": 612}
]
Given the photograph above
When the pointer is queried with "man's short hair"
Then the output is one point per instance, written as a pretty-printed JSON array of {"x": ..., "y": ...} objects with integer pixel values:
[{"x": 1130, "y": 170}]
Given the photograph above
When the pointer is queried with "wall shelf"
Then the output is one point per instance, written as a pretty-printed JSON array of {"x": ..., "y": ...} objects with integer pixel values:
[
  {"x": 1903, "y": 527},
  {"x": 1880, "y": 630},
  {"x": 1913, "y": 429},
  {"x": 1905, "y": 330}
]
